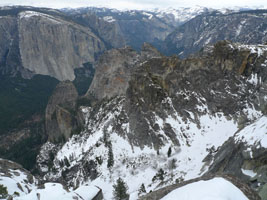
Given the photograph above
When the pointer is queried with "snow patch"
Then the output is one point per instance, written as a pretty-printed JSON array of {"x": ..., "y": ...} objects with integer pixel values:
[
  {"x": 216, "y": 188},
  {"x": 29, "y": 14},
  {"x": 254, "y": 134},
  {"x": 249, "y": 172},
  {"x": 109, "y": 19}
]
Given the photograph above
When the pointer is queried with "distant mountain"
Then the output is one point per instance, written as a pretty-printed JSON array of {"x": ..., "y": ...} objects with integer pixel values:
[
  {"x": 137, "y": 26},
  {"x": 247, "y": 27}
]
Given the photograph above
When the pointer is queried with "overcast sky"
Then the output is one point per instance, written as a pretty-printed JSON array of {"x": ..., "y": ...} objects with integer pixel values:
[{"x": 137, "y": 4}]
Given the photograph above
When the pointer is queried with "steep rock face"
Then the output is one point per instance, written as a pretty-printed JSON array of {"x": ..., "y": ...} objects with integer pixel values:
[
  {"x": 52, "y": 46},
  {"x": 208, "y": 29},
  {"x": 60, "y": 119},
  {"x": 47, "y": 42},
  {"x": 113, "y": 72},
  {"x": 108, "y": 32},
  {"x": 9, "y": 51},
  {"x": 114, "y": 68}
]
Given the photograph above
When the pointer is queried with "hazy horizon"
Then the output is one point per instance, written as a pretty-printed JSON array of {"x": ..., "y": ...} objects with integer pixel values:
[{"x": 137, "y": 4}]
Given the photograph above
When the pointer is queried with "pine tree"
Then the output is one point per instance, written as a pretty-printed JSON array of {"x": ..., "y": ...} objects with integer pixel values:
[
  {"x": 66, "y": 161},
  {"x": 142, "y": 189},
  {"x": 3, "y": 192},
  {"x": 120, "y": 190},
  {"x": 159, "y": 175},
  {"x": 169, "y": 151},
  {"x": 105, "y": 137},
  {"x": 110, "y": 156}
]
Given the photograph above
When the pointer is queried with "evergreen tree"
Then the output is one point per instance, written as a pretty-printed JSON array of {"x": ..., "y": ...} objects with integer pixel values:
[
  {"x": 120, "y": 190},
  {"x": 3, "y": 192},
  {"x": 159, "y": 175},
  {"x": 105, "y": 137},
  {"x": 110, "y": 156},
  {"x": 66, "y": 161},
  {"x": 169, "y": 151},
  {"x": 142, "y": 189}
]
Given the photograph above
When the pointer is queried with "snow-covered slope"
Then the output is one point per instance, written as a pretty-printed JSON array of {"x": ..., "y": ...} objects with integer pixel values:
[
  {"x": 21, "y": 185},
  {"x": 217, "y": 188},
  {"x": 137, "y": 165},
  {"x": 17, "y": 182},
  {"x": 255, "y": 134},
  {"x": 181, "y": 15}
]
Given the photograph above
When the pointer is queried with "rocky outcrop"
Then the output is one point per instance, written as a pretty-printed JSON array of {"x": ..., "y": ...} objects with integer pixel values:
[
  {"x": 114, "y": 68},
  {"x": 108, "y": 32},
  {"x": 113, "y": 73},
  {"x": 60, "y": 112},
  {"x": 208, "y": 29},
  {"x": 10, "y": 60}
]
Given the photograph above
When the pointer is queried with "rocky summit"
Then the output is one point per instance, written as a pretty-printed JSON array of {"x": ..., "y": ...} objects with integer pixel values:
[{"x": 88, "y": 121}]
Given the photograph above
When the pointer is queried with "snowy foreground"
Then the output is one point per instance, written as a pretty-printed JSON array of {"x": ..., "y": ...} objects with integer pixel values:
[
  {"x": 214, "y": 189},
  {"x": 55, "y": 191}
]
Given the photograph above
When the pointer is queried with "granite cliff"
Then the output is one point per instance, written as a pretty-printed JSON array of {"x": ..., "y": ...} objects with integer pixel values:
[{"x": 37, "y": 42}]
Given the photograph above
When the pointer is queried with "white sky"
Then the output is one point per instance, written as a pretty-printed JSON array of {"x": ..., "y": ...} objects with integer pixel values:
[{"x": 137, "y": 4}]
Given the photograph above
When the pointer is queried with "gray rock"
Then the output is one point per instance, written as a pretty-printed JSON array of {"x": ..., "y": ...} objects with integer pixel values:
[
  {"x": 60, "y": 112},
  {"x": 55, "y": 47},
  {"x": 114, "y": 68},
  {"x": 263, "y": 192},
  {"x": 37, "y": 41}
]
